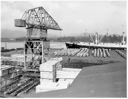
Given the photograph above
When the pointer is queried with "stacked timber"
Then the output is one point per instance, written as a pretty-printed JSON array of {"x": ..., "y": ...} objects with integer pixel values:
[
  {"x": 73, "y": 52},
  {"x": 20, "y": 57},
  {"x": 47, "y": 69},
  {"x": 10, "y": 61},
  {"x": 121, "y": 53},
  {"x": 20, "y": 87},
  {"x": 66, "y": 52},
  {"x": 6, "y": 79},
  {"x": 83, "y": 52},
  {"x": 100, "y": 52},
  {"x": 95, "y": 52},
  {"x": 6, "y": 70},
  {"x": 107, "y": 52},
  {"x": 104, "y": 54},
  {"x": 49, "y": 73},
  {"x": 15, "y": 59}
]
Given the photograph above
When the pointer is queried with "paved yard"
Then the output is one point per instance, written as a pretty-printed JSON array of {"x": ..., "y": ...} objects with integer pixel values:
[{"x": 95, "y": 81}]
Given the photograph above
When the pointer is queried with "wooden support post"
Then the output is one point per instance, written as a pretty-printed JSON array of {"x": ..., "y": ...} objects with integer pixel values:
[
  {"x": 54, "y": 73},
  {"x": 42, "y": 52},
  {"x": 24, "y": 56}
]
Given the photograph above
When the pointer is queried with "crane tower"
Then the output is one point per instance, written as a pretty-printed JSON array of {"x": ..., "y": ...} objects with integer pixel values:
[{"x": 37, "y": 21}]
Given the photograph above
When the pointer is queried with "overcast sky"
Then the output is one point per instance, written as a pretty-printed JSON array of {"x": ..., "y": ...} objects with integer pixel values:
[{"x": 74, "y": 17}]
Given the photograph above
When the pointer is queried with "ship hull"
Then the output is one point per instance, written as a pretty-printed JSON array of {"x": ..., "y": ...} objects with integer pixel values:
[{"x": 75, "y": 45}]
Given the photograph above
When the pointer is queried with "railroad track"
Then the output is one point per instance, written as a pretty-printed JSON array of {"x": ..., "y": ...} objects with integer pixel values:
[
  {"x": 30, "y": 87},
  {"x": 9, "y": 92},
  {"x": 23, "y": 88},
  {"x": 11, "y": 85}
]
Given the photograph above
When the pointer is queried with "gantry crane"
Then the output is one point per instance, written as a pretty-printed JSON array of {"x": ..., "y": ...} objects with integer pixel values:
[{"x": 37, "y": 21}]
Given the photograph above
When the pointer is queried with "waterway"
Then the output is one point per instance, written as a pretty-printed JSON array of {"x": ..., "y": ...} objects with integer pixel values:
[{"x": 11, "y": 45}]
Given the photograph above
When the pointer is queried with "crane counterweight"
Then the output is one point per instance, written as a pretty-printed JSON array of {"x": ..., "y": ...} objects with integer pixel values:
[{"x": 20, "y": 23}]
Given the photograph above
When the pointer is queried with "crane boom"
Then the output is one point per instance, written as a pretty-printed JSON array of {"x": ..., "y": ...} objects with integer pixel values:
[{"x": 39, "y": 18}]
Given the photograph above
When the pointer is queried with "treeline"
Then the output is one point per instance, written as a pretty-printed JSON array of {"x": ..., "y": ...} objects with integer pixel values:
[
  {"x": 110, "y": 39},
  {"x": 73, "y": 39},
  {"x": 113, "y": 38}
]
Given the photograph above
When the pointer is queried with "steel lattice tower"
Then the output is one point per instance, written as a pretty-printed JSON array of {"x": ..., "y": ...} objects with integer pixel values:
[{"x": 37, "y": 22}]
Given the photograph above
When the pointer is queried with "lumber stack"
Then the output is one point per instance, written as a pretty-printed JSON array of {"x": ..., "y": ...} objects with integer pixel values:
[
  {"x": 20, "y": 57},
  {"x": 15, "y": 59},
  {"x": 8, "y": 77},
  {"x": 49, "y": 68},
  {"x": 83, "y": 52},
  {"x": 6, "y": 70},
  {"x": 100, "y": 52},
  {"x": 121, "y": 53},
  {"x": 49, "y": 73},
  {"x": 73, "y": 52},
  {"x": 66, "y": 52}
]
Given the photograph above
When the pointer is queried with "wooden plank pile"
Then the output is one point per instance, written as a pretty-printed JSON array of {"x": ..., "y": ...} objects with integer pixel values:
[
  {"x": 121, "y": 53},
  {"x": 6, "y": 78},
  {"x": 18, "y": 87},
  {"x": 20, "y": 57},
  {"x": 66, "y": 52},
  {"x": 49, "y": 68},
  {"x": 6, "y": 70},
  {"x": 49, "y": 73},
  {"x": 14, "y": 60},
  {"x": 100, "y": 52},
  {"x": 83, "y": 52}
]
